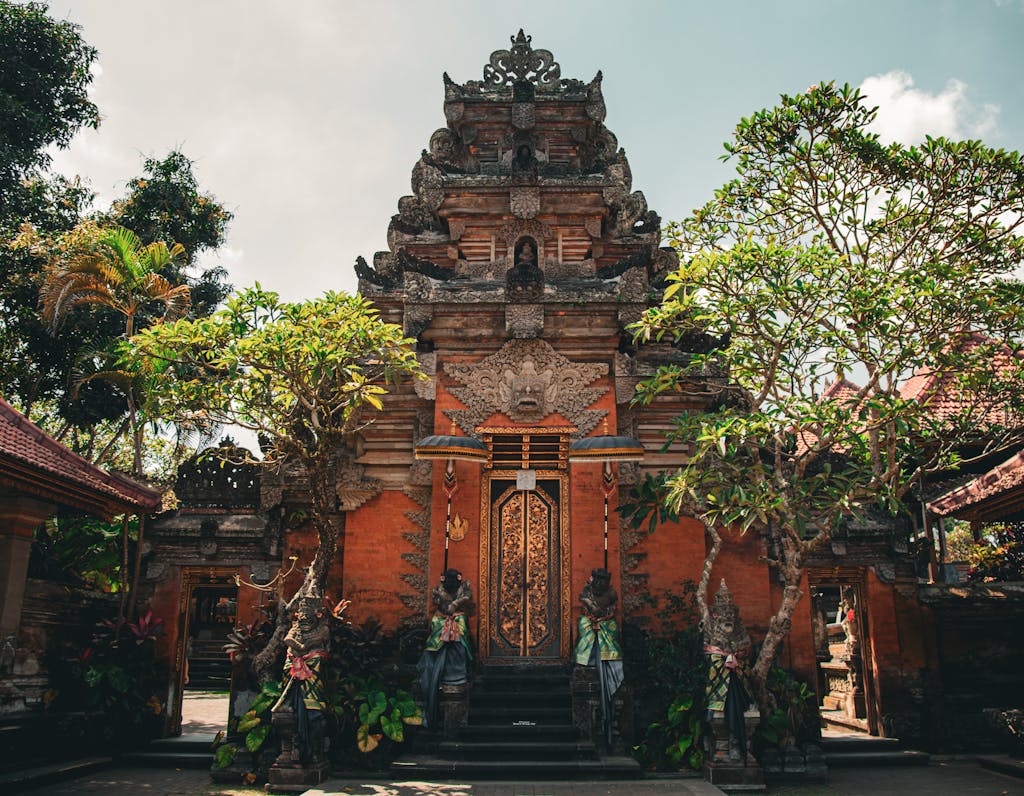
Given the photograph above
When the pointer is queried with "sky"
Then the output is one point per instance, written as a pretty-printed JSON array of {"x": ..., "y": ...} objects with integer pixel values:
[{"x": 306, "y": 117}]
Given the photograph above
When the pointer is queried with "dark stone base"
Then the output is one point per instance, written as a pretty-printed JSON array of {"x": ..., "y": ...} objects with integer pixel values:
[
  {"x": 287, "y": 779},
  {"x": 734, "y": 778}
]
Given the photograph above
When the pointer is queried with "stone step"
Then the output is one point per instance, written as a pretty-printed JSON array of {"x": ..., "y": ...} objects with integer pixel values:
[
  {"x": 517, "y": 750},
  {"x": 36, "y": 777},
  {"x": 149, "y": 759},
  {"x": 504, "y": 714},
  {"x": 518, "y": 732},
  {"x": 522, "y": 685},
  {"x": 482, "y": 699},
  {"x": 189, "y": 742},
  {"x": 516, "y": 770},
  {"x": 856, "y": 759},
  {"x": 840, "y": 744}
]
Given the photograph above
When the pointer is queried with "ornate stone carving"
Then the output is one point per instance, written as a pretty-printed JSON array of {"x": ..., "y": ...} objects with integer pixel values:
[
  {"x": 524, "y": 321},
  {"x": 625, "y": 378},
  {"x": 427, "y": 388},
  {"x": 421, "y": 473},
  {"x": 523, "y": 117},
  {"x": 352, "y": 488},
  {"x": 427, "y": 185},
  {"x": 416, "y": 319},
  {"x": 633, "y": 286},
  {"x": 596, "y": 109},
  {"x": 527, "y": 380},
  {"x": 524, "y": 202},
  {"x": 522, "y": 62},
  {"x": 514, "y": 230}
]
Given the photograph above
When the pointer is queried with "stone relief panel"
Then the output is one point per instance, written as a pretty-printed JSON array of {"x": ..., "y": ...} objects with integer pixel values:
[
  {"x": 525, "y": 202},
  {"x": 524, "y": 321},
  {"x": 352, "y": 487},
  {"x": 527, "y": 380},
  {"x": 427, "y": 388}
]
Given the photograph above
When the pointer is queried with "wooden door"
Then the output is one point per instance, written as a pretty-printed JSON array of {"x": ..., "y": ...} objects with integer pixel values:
[{"x": 525, "y": 606}]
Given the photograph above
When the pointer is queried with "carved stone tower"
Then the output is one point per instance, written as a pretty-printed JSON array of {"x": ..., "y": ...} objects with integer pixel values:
[{"x": 516, "y": 264}]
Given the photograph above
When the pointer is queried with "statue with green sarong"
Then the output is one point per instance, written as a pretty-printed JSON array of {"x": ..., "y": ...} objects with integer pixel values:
[
  {"x": 447, "y": 653},
  {"x": 597, "y": 642},
  {"x": 728, "y": 691}
]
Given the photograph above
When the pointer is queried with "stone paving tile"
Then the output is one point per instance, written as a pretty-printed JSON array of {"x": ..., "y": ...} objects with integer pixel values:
[{"x": 144, "y": 782}]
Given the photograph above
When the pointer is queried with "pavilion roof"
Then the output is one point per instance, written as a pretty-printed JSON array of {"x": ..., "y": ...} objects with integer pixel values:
[
  {"x": 994, "y": 495},
  {"x": 33, "y": 462}
]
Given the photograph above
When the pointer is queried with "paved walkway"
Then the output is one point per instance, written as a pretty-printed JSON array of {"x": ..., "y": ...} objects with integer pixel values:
[
  {"x": 204, "y": 711},
  {"x": 958, "y": 777}
]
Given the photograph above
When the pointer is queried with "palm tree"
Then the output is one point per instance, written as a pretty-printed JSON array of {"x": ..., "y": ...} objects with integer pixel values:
[{"x": 109, "y": 267}]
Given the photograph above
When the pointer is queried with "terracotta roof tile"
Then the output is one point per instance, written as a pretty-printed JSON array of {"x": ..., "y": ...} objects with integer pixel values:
[
  {"x": 60, "y": 475},
  {"x": 999, "y": 479}
]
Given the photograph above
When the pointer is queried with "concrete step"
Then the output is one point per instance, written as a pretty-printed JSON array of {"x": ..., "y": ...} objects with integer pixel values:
[
  {"x": 517, "y": 770},
  {"x": 188, "y": 742},
  {"x": 484, "y": 699}
]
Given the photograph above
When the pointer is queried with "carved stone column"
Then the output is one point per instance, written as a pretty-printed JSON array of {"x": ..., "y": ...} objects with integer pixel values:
[
  {"x": 289, "y": 774},
  {"x": 725, "y": 766},
  {"x": 454, "y": 708}
]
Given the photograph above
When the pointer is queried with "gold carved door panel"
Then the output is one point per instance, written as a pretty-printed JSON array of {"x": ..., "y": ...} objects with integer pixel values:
[{"x": 525, "y": 606}]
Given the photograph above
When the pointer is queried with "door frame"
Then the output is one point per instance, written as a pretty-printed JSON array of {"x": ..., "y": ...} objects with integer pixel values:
[
  {"x": 191, "y": 579},
  {"x": 487, "y": 575}
]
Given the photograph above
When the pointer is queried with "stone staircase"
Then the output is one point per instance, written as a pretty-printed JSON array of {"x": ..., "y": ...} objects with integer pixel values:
[
  {"x": 520, "y": 727},
  {"x": 209, "y": 668}
]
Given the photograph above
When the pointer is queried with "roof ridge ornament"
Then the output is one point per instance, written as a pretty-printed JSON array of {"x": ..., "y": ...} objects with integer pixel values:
[{"x": 522, "y": 62}]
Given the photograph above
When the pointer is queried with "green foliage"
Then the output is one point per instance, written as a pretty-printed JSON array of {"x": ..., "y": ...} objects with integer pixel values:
[
  {"x": 117, "y": 677},
  {"x": 44, "y": 83},
  {"x": 254, "y": 728},
  {"x": 376, "y": 712},
  {"x": 166, "y": 204},
  {"x": 831, "y": 254},
  {"x": 669, "y": 668},
  {"x": 1000, "y": 555},
  {"x": 793, "y": 715},
  {"x": 300, "y": 374},
  {"x": 677, "y": 741}
]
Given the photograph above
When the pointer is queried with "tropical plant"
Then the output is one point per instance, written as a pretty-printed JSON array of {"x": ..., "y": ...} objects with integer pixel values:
[
  {"x": 375, "y": 712},
  {"x": 111, "y": 268},
  {"x": 793, "y": 711},
  {"x": 833, "y": 254},
  {"x": 254, "y": 728},
  {"x": 676, "y": 742}
]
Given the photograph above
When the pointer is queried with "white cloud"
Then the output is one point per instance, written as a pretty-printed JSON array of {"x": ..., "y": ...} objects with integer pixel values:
[{"x": 907, "y": 114}]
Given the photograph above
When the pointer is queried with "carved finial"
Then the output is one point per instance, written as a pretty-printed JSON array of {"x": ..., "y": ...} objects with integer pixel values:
[{"x": 522, "y": 62}]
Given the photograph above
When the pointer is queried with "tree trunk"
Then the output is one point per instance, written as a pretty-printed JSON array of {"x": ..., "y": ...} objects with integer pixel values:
[
  {"x": 136, "y": 435},
  {"x": 778, "y": 628}
]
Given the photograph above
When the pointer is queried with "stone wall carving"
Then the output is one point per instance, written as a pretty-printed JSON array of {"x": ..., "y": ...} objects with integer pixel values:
[
  {"x": 522, "y": 62},
  {"x": 527, "y": 380},
  {"x": 524, "y": 202},
  {"x": 427, "y": 388},
  {"x": 416, "y": 598},
  {"x": 352, "y": 487},
  {"x": 524, "y": 321}
]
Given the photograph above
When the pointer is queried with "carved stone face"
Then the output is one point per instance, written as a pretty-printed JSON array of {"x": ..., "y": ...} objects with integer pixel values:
[{"x": 529, "y": 390}]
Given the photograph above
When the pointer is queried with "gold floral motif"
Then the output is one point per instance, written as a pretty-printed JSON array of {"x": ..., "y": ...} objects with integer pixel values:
[
  {"x": 538, "y": 565},
  {"x": 510, "y": 602}
]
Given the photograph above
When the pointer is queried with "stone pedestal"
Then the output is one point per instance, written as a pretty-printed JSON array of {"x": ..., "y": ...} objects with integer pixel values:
[
  {"x": 453, "y": 706},
  {"x": 587, "y": 716},
  {"x": 289, "y": 774},
  {"x": 725, "y": 766}
]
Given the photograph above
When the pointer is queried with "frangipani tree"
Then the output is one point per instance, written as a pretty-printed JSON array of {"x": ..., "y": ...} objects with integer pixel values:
[
  {"x": 831, "y": 255},
  {"x": 303, "y": 376}
]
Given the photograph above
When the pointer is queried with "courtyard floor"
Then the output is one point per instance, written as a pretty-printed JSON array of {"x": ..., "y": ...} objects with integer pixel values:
[{"x": 958, "y": 777}]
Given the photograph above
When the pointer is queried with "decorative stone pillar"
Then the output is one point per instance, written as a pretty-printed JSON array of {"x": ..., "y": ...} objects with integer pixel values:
[
  {"x": 454, "y": 708},
  {"x": 586, "y": 703}
]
